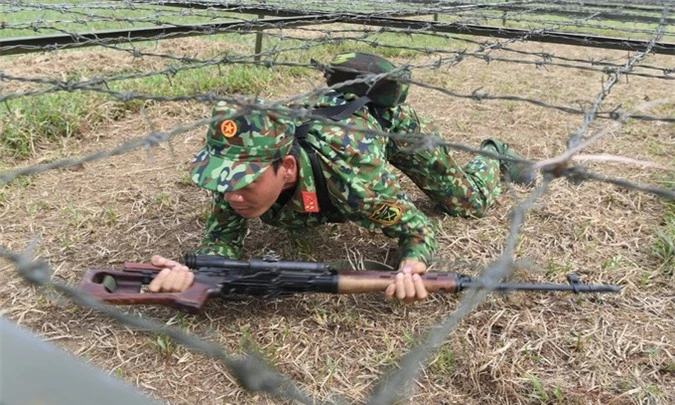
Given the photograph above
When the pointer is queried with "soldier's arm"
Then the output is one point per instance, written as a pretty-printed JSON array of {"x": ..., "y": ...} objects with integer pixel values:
[
  {"x": 373, "y": 197},
  {"x": 400, "y": 219},
  {"x": 404, "y": 119},
  {"x": 225, "y": 230},
  {"x": 224, "y": 235}
]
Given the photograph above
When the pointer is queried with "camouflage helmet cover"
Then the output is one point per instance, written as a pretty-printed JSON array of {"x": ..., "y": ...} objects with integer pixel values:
[
  {"x": 239, "y": 147},
  {"x": 386, "y": 92}
]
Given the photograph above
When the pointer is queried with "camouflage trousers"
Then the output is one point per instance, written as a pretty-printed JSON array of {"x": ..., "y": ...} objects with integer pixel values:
[{"x": 466, "y": 191}]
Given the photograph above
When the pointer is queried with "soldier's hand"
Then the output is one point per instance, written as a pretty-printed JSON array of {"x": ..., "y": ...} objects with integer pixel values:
[
  {"x": 408, "y": 286},
  {"x": 174, "y": 276}
]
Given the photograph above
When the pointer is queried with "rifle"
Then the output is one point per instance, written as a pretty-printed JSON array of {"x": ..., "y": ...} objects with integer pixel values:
[{"x": 268, "y": 277}]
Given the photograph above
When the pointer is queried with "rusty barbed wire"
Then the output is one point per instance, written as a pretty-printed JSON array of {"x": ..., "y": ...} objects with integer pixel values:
[
  {"x": 250, "y": 372},
  {"x": 542, "y": 61}
]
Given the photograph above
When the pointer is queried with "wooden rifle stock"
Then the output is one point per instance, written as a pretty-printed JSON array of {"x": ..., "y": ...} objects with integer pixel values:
[{"x": 128, "y": 284}]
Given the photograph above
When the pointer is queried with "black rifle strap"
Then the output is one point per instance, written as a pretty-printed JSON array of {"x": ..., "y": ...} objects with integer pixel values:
[
  {"x": 336, "y": 113},
  {"x": 319, "y": 179},
  {"x": 378, "y": 113},
  {"x": 343, "y": 111}
]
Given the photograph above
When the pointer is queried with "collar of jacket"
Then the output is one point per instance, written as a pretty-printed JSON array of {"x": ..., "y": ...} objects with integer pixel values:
[{"x": 305, "y": 185}]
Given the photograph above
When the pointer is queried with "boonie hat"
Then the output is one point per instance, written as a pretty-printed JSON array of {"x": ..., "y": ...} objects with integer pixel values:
[{"x": 239, "y": 147}]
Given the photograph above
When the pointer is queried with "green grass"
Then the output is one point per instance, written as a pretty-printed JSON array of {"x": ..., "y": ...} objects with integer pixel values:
[
  {"x": 663, "y": 246},
  {"x": 544, "y": 395},
  {"x": 445, "y": 361},
  {"x": 539, "y": 392},
  {"x": 228, "y": 79},
  {"x": 164, "y": 347},
  {"x": 554, "y": 268},
  {"x": 29, "y": 121},
  {"x": 46, "y": 117}
]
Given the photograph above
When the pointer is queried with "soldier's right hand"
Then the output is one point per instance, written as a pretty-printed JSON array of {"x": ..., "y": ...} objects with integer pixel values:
[
  {"x": 408, "y": 285},
  {"x": 174, "y": 276}
]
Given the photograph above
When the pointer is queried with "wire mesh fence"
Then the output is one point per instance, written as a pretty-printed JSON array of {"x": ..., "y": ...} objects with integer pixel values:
[{"x": 155, "y": 75}]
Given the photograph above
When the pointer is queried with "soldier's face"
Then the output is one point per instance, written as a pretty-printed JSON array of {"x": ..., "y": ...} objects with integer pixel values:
[{"x": 255, "y": 199}]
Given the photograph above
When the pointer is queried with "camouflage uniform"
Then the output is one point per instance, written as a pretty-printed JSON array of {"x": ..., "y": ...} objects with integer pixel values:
[
  {"x": 360, "y": 185},
  {"x": 461, "y": 191}
]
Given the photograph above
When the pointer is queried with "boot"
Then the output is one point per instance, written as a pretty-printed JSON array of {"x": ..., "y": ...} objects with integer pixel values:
[{"x": 514, "y": 172}]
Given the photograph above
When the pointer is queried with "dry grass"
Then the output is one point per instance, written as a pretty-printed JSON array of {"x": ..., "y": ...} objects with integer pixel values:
[{"x": 520, "y": 348}]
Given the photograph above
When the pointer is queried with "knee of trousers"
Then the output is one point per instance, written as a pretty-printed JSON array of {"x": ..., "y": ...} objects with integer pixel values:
[{"x": 474, "y": 208}]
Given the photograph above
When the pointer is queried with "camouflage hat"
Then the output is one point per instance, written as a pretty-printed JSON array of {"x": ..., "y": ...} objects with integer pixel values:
[
  {"x": 239, "y": 148},
  {"x": 386, "y": 92}
]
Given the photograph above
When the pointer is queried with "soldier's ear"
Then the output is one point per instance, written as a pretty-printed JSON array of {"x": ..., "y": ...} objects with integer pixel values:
[{"x": 290, "y": 167}]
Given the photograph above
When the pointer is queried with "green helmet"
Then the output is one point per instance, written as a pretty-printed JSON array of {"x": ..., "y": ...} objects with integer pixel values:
[
  {"x": 239, "y": 147},
  {"x": 386, "y": 92}
]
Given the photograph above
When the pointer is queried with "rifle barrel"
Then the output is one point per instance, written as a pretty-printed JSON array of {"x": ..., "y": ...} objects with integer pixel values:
[{"x": 576, "y": 288}]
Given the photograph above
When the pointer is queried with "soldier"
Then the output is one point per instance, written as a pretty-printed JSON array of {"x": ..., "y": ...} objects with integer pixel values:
[{"x": 261, "y": 164}]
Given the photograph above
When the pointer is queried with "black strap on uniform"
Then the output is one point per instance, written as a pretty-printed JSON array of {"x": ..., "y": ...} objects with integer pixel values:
[
  {"x": 336, "y": 113},
  {"x": 378, "y": 113}
]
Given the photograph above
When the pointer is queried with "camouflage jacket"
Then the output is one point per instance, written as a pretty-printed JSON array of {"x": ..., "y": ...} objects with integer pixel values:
[{"x": 360, "y": 184}]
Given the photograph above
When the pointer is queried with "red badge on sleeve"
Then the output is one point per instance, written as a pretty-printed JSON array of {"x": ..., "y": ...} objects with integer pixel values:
[{"x": 309, "y": 201}]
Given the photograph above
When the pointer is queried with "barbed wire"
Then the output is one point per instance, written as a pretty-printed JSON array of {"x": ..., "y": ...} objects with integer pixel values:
[
  {"x": 589, "y": 117},
  {"x": 441, "y": 7},
  {"x": 369, "y": 5},
  {"x": 95, "y": 84},
  {"x": 472, "y": 18},
  {"x": 250, "y": 372},
  {"x": 209, "y": 97},
  {"x": 542, "y": 59},
  {"x": 220, "y": 10},
  {"x": 40, "y": 25},
  {"x": 127, "y": 36},
  {"x": 639, "y": 5},
  {"x": 390, "y": 388}
]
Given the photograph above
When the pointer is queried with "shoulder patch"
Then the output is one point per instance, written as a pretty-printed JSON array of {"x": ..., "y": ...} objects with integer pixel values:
[
  {"x": 387, "y": 214},
  {"x": 309, "y": 201}
]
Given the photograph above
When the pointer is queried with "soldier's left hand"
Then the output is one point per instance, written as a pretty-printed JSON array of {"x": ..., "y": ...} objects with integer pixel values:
[{"x": 408, "y": 286}]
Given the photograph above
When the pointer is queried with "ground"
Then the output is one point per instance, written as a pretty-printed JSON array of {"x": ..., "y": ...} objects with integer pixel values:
[{"x": 519, "y": 348}]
